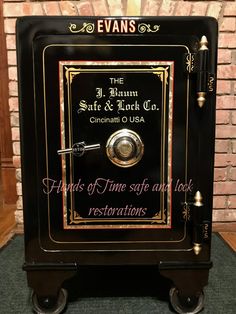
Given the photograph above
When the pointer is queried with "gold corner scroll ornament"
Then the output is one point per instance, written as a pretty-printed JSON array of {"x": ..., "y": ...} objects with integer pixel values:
[
  {"x": 70, "y": 73},
  {"x": 162, "y": 73},
  {"x": 86, "y": 28},
  {"x": 146, "y": 28},
  {"x": 156, "y": 218}
]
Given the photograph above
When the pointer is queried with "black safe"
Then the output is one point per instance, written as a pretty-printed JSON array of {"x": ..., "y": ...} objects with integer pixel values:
[{"x": 117, "y": 140}]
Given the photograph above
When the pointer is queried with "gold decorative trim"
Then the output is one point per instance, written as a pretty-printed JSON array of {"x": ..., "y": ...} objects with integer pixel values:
[
  {"x": 190, "y": 59},
  {"x": 197, "y": 247},
  {"x": 146, "y": 28},
  {"x": 201, "y": 99},
  {"x": 70, "y": 74},
  {"x": 186, "y": 212},
  {"x": 183, "y": 236},
  {"x": 198, "y": 199},
  {"x": 163, "y": 74},
  {"x": 74, "y": 217},
  {"x": 86, "y": 28},
  {"x": 160, "y": 217},
  {"x": 211, "y": 83},
  {"x": 203, "y": 43}
]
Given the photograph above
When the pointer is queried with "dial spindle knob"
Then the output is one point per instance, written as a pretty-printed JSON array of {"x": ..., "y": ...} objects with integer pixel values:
[{"x": 124, "y": 148}]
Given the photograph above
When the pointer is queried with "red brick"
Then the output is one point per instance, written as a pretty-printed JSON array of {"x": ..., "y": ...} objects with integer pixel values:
[
  {"x": 232, "y": 174},
  {"x": 223, "y": 87},
  {"x": 230, "y": 9},
  {"x": 100, "y": 7},
  {"x": 13, "y": 88},
  {"x": 226, "y": 71},
  {"x": 224, "y": 56},
  {"x": 233, "y": 117},
  {"x": 19, "y": 213},
  {"x": 227, "y": 40},
  {"x": 11, "y": 42},
  {"x": 133, "y": 7},
  {"x": 214, "y": 9},
  {"x": 68, "y": 8},
  {"x": 13, "y": 104},
  {"x": 222, "y": 146},
  {"x": 12, "y": 73},
  {"x": 85, "y": 8},
  {"x": 15, "y": 134},
  {"x": 16, "y": 148},
  {"x": 151, "y": 7},
  {"x": 221, "y": 215},
  {"x": 16, "y": 161},
  {"x": 12, "y": 9},
  {"x": 14, "y": 117},
  {"x": 183, "y": 9},
  {"x": 51, "y": 8},
  {"x": 33, "y": 8},
  {"x": 226, "y": 102},
  {"x": 227, "y": 187},
  {"x": 11, "y": 57},
  {"x": 18, "y": 174},
  {"x": 219, "y": 201},
  {"x": 167, "y": 8},
  {"x": 228, "y": 25},
  {"x": 20, "y": 9},
  {"x": 222, "y": 116},
  {"x": 234, "y": 146},
  {"x": 232, "y": 201},
  {"x": 199, "y": 8},
  {"x": 226, "y": 131},
  {"x": 10, "y": 26},
  {"x": 220, "y": 174},
  {"x": 224, "y": 160},
  {"x": 19, "y": 188},
  {"x": 116, "y": 7},
  {"x": 234, "y": 56}
]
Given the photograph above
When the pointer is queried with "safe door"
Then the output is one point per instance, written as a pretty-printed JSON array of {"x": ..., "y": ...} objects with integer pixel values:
[{"x": 117, "y": 124}]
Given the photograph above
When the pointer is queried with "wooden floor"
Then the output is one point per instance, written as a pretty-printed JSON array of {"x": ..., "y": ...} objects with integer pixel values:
[
  {"x": 7, "y": 224},
  {"x": 228, "y": 232},
  {"x": 230, "y": 239},
  {"x": 7, "y": 218}
]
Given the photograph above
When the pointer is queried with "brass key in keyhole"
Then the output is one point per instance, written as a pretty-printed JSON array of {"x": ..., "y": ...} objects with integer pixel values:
[{"x": 78, "y": 149}]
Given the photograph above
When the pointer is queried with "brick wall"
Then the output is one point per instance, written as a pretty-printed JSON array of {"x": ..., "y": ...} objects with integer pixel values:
[{"x": 224, "y": 11}]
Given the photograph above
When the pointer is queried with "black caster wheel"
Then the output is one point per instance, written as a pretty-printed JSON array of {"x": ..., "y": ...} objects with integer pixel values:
[
  {"x": 186, "y": 305},
  {"x": 49, "y": 305}
]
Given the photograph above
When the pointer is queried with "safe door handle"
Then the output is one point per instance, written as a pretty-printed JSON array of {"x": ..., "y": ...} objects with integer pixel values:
[{"x": 78, "y": 149}]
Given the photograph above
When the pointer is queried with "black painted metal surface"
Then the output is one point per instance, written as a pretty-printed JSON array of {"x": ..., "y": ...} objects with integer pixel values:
[{"x": 82, "y": 80}]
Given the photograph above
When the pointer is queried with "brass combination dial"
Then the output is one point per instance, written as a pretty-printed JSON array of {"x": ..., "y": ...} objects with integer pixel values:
[{"x": 124, "y": 148}]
